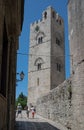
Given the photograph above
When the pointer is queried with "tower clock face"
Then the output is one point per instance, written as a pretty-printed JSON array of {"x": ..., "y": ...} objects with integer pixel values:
[{"x": 37, "y": 28}]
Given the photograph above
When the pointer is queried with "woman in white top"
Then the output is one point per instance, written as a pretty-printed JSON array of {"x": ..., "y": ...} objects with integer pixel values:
[{"x": 33, "y": 111}]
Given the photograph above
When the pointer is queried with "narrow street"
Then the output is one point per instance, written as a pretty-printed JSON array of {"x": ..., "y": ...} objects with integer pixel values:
[{"x": 38, "y": 123}]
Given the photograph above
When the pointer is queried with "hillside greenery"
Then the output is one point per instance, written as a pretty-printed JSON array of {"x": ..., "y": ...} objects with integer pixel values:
[{"x": 22, "y": 99}]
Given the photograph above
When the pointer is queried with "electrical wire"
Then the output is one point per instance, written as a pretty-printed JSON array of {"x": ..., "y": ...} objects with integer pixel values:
[{"x": 42, "y": 55}]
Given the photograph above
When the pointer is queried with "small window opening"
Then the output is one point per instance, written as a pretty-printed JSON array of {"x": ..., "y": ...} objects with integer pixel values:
[
  {"x": 39, "y": 66},
  {"x": 57, "y": 20},
  {"x": 40, "y": 40},
  {"x": 45, "y": 15},
  {"x": 57, "y": 41},
  {"x": 53, "y": 14},
  {"x": 37, "y": 81},
  {"x": 58, "y": 67},
  {"x": 60, "y": 22}
]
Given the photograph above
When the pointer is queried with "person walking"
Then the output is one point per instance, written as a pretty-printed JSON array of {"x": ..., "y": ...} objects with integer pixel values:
[
  {"x": 33, "y": 111},
  {"x": 19, "y": 109},
  {"x": 27, "y": 111}
]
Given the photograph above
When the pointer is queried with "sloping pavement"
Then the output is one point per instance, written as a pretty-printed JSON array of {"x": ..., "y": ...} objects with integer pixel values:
[{"x": 38, "y": 123}]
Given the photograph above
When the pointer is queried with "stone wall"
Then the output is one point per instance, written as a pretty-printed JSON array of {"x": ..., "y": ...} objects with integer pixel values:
[
  {"x": 3, "y": 113},
  {"x": 56, "y": 105},
  {"x": 76, "y": 43},
  {"x": 11, "y": 14}
]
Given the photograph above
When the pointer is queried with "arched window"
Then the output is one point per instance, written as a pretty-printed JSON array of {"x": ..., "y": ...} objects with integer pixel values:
[
  {"x": 39, "y": 63},
  {"x": 39, "y": 66},
  {"x": 40, "y": 40},
  {"x": 40, "y": 37}
]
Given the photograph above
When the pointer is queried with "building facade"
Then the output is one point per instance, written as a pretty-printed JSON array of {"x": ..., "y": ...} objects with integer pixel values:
[
  {"x": 47, "y": 55},
  {"x": 11, "y": 19},
  {"x": 76, "y": 37}
]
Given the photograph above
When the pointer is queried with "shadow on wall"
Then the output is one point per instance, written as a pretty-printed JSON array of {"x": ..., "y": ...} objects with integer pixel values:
[{"x": 34, "y": 125}]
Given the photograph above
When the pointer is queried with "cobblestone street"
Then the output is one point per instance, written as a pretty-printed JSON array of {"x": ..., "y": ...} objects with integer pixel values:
[{"x": 38, "y": 123}]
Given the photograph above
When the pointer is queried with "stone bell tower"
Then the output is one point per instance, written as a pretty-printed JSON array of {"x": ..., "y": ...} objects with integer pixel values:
[
  {"x": 76, "y": 37},
  {"x": 47, "y": 55}
]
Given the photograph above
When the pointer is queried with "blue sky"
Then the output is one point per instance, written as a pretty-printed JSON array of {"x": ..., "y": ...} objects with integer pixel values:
[{"x": 33, "y": 11}]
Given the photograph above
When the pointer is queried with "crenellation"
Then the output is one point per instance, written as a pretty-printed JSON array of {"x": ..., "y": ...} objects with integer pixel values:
[
  {"x": 46, "y": 15},
  {"x": 36, "y": 22}
]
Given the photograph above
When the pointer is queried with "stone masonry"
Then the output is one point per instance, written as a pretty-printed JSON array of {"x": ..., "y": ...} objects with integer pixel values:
[
  {"x": 11, "y": 19},
  {"x": 47, "y": 55},
  {"x": 76, "y": 37},
  {"x": 57, "y": 105},
  {"x": 65, "y": 102}
]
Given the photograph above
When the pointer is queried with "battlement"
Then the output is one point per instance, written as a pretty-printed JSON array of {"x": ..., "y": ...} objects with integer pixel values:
[
  {"x": 47, "y": 14},
  {"x": 36, "y": 22}
]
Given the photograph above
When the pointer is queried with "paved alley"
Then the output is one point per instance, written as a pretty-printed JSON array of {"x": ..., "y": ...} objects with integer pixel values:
[{"x": 38, "y": 123}]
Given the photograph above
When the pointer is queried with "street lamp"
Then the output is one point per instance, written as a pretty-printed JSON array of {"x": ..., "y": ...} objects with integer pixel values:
[{"x": 21, "y": 76}]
